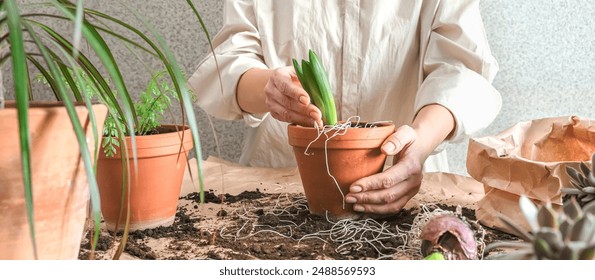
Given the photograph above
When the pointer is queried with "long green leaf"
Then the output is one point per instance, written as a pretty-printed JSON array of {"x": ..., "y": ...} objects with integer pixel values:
[
  {"x": 139, "y": 33},
  {"x": 21, "y": 85},
  {"x": 78, "y": 25},
  {"x": 106, "y": 93},
  {"x": 126, "y": 40},
  {"x": 66, "y": 74},
  {"x": 100, "y": 28},
  {"x": 125, "y": 165},
  {"x": 70, "y": 81},
  {"x": 76, "y": 125},
  {"x": 177, "y": 83},
  {"x": 300, "y": 74},
  {"x": 154, "y": 46},
  {"x": 206, "y": 32},
  {"x": 163, "y": 57},
  {"x": 47, "y": 76},
  {"x": 93, "y": 191},
  {"x": 184, "y": 95},
  {"x": 147, "y": 40},
  {"x": 97, "y": 135},
  {"x": 313, "y": 90},
  {"x": 103, "y": 52},
  {"x": 324, "y": 87}
]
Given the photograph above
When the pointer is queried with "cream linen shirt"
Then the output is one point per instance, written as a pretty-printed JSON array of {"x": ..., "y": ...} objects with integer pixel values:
[{"x": 385, "y": 59}]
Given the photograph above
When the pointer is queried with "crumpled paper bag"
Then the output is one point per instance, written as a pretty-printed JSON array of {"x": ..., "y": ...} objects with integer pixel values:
[{"x": 528, "y": 159}]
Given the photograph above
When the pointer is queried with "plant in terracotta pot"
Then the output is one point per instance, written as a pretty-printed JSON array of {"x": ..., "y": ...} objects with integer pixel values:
[
  {"x": 47, "y": 148},
  {"x": 145, "y": 196},
  {"x": 333, "y": 157},
  {"x": 48, "y": 152}
]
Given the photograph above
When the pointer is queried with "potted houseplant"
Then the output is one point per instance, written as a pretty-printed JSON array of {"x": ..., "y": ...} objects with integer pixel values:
[
  {"x": 31, "y": 231},
  {"x": 333, "y": 157},
  {"x": 146, "y": 197},
  {"x": 47, "y": 161}
]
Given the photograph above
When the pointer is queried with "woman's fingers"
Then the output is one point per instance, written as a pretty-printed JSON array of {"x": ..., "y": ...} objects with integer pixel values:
[
  {"x": 389, "y": 191},
  {"x": 292, "y": 111},
  {"x": 385, "y": 187},
  {"x": 395, "y": 143},
  {"x": 401, "y": 171},
  {"x": 387, "y": 208},
  {"x": 288, "y": 101},
  {"x": 284, "y": 114}
]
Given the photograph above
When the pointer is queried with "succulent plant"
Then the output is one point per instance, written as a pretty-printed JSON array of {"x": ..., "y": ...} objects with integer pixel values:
[
  {"x": 555, "y": 235},
  {"x": 446, "y": 236},
  {"x": 583, "y": 182}
]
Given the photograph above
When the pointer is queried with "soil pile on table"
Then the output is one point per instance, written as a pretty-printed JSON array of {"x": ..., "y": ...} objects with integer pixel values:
[{"x": 256, "y": 225}]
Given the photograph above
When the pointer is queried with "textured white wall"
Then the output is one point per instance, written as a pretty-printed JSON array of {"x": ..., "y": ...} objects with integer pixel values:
[
  {"x": 545, "y": 48},
  {"x": 546, "y": 53}
]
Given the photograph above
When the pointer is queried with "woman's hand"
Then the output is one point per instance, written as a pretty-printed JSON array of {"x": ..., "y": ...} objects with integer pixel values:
[
  {"x": 279, "y": 92},
  {"x": 389, "y": 191},
  {"x": 288, "y": 101}
]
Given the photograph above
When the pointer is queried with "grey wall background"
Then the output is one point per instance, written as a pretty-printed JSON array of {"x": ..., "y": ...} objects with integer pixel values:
[{"x": 545, "y": 48}]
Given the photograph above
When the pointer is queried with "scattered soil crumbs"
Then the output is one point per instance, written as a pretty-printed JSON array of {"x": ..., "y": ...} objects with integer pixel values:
[
  {"x": 256, "y": 225},
  {"x": 210, "y": 197}
]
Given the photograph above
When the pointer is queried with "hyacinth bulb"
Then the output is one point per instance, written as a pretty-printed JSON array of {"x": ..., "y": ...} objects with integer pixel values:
[{"x": 448, "y": 235}]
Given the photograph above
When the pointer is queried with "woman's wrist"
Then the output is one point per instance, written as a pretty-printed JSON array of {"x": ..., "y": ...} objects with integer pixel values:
[
  {"x": 433, "y": 124},
  {"x": 250, "y": 90}
]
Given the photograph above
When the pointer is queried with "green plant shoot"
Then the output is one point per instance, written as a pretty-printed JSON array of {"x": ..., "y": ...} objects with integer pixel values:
[
  {"x": 314, "y": 80},
  {"x": 435, "y": 256}
]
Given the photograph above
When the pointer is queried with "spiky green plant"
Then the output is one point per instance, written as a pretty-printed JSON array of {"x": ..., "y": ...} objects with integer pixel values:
[
  {"x": 314, "y": 80},
  {"x": 582, "y": 181},
  {"x": 567, "y": 234},
  {"x": 31, "y": 41}
]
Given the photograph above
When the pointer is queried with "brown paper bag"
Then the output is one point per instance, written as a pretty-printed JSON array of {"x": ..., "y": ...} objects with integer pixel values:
[{"x": 528, "y": 159}]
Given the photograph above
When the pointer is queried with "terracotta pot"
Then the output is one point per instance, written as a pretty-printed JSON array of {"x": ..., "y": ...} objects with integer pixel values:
[
  {"x": 155, "y": 189},
  {"x": 351, "y": 156},
  {"x": 60, "y": 189}
]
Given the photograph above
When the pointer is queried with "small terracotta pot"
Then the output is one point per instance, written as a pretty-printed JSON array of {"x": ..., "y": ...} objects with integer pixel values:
[
  {"x": 60, "y": 188},
  {"x": 154, "y": 192},
  {"x": 351, "y": 156}
]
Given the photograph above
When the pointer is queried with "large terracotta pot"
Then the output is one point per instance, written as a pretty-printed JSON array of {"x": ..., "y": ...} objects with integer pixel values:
[
  {"x": 351, "y": 156},
  {"x": 60, "y": 188},
  {"x": 154, "y": 190}
]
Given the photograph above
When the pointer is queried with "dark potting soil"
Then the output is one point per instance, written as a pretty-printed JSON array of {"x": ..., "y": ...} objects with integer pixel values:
[
  {"x": 210, "y": 197},
  {"x": 182, "y": 229},
  {"x": 363, "y": 125},
  {"x": 257, "y": 225},
  {"x": 161, "y": 130},
  {"x": 103, "y": 244}
]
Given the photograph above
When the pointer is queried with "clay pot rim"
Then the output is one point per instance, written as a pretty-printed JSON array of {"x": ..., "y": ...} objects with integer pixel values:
[
  {"x": 181, "y": 129},
  {"x": 353, "y": 138},
  {"x": 308, "y": 130},
  {"x": 155, "y": 144},
  {"x": 377, "y": 124}
]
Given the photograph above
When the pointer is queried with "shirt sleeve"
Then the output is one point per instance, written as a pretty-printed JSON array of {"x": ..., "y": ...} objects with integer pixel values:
[
  {"x": 458, "y": 69},
  {"x": 237, "y": 48}
]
